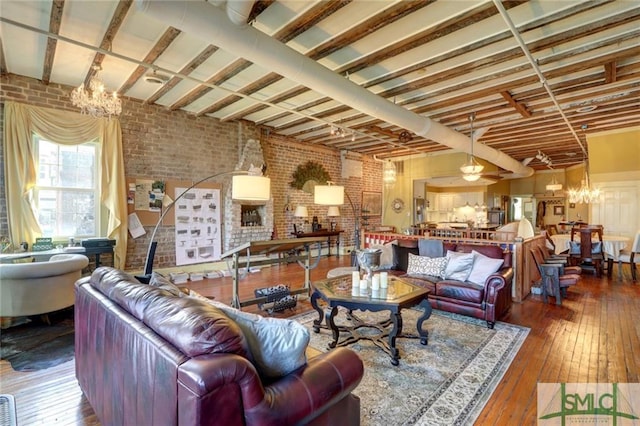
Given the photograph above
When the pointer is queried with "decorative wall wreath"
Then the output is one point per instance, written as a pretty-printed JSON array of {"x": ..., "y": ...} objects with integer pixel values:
[{"x": 309, "y": 171}]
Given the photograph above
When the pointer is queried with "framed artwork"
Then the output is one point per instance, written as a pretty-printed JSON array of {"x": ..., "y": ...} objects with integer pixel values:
[
  {"x": 558, "y": 210},
  {"x": 371, "y": 203}
]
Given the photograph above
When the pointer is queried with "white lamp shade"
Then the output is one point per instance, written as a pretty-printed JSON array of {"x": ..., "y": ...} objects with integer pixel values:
[
  {"x": 333, "y": 211},
  {"x": 253, "y": 188},
  {"x": 328, "y": 195},
  {"x": 525, "y": 228},
  {"x": 301, "y": 211}
]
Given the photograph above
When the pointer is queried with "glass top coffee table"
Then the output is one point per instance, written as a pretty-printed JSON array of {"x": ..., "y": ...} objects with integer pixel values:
[{"x": 399, "y": 295}]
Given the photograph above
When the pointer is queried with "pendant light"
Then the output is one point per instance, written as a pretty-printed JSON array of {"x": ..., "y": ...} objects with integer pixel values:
[{"x": 471, "y": 169}]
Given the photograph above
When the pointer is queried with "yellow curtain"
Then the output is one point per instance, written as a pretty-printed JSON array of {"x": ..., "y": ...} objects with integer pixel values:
[{"x": 69, "y": 128}]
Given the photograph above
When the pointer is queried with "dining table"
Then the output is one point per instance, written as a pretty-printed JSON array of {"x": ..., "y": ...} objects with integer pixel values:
[{"x": 611, "y": 244}]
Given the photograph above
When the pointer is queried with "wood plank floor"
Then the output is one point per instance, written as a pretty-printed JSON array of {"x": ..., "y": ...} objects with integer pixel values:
[{"x": 593, "y": 337}]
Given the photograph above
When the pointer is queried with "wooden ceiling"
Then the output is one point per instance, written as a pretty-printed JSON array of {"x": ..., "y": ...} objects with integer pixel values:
[{"x": 440, "y": 59}]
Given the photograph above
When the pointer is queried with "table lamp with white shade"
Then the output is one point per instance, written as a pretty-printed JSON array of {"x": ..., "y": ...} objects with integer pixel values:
[
  {"x": 303, "y": 212},
  {"x": 333, "y": 195},
  {"x": 333, "y": 211}
]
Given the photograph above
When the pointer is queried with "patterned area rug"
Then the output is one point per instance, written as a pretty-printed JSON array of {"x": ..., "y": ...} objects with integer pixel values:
[{"x": 446, "y": 382}]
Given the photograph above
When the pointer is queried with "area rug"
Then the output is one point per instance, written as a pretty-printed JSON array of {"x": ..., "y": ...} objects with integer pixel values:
[
  {"x": 447, "y": 382},
  {"x": 36, "y": 345}
]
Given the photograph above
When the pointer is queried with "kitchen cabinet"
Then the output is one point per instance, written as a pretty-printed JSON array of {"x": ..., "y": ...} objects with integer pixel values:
[{"x": 448, "y": 201}]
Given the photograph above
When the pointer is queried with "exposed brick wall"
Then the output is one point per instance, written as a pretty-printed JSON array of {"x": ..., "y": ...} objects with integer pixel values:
[
  {"x": 284, "y": 156},
  {"x": 163, "y": 144}
]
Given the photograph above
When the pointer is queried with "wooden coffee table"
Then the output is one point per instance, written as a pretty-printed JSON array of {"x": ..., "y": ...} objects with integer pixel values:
[{"x": 400, "y": 294}]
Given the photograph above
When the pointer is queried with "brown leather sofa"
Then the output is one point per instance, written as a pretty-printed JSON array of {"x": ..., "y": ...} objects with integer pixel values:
[
  {"x": 488, "y": 302},
  {"x": 145, "y": 356}
]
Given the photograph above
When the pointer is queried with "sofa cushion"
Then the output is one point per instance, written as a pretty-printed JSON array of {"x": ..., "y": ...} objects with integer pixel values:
[
  {"x": 430, "y": 247},
  {"x": 460, "y": 291},
  {"x": 493, "y": 251},
  {"x": 277, "y": 345},
  {"x": 195, "y": 327},
  {"x": 483, "y": 266},
  {"x": 164, "y": 283},
  {"x": 458, "y": 266},
  {"x": 425, "y": 265},
  {"x": 401, "y": 256},
  {"x": 425, "y": 281},
  {"x": 126, "y": 291}
]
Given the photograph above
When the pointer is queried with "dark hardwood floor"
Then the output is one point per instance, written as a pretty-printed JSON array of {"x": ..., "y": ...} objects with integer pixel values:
[{"x": 592, "y": 337}]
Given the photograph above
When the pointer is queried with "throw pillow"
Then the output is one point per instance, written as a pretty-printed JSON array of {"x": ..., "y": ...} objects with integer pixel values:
[
  {"x": 401, "y": 256},
  {"x": 277, "y": 345},
  {"x": 483, "y": 266},
  {"x": 458, "y": 265},
  {"x": 425, "y": 265},
  {"x": 430, "y": 247}
]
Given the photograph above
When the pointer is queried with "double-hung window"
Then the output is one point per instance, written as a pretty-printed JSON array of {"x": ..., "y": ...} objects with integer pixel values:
[{"x": 67, "y": 195}]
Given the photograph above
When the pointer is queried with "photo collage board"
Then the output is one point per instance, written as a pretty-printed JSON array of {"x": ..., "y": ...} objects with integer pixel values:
[{"x": 198, "y": 225}]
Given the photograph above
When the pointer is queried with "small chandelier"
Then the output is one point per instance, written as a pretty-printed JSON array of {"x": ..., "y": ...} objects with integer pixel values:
[
  {"x": 554, "y": 186},
  {"x": 471, "y": 169},
  {"x": 95, "y": 101},
  {"x": 585, "y": 194},
  {"x": 389, "y": 172}
]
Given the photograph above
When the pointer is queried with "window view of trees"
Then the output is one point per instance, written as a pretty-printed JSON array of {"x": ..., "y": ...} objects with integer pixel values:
[{"x": 66, "y": 193}]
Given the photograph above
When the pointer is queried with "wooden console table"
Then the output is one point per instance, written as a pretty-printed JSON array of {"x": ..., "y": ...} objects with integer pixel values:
[
  {"x": 323, "y": 233},
  {"x": 269, "y": 247}
]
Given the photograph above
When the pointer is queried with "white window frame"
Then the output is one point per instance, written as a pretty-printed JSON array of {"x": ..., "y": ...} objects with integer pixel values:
[{"x": 95, "y": 190}]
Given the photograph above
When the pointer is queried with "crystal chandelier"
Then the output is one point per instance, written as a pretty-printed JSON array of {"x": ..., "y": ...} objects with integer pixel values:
[
  {"x": 95, "y": 101},
  {"x": 585, "y": 194},
  {"x": 471, "y": 169},
  {"x": 389, "y": 172}
]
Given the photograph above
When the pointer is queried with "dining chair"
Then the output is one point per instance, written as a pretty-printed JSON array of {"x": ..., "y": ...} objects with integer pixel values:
[
  {"x": 631, "y": 256},
  {"x": 558, "y": 258},
  {"x": 587, "y": 252},
  {"x": 554, "y": 280}
]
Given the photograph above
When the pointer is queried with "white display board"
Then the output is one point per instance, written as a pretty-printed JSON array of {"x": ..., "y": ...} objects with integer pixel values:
[{"x": 198, "y": 227}]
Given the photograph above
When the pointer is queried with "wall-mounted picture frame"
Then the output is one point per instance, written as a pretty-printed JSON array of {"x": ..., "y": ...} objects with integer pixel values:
[
  {"x": 558, "y": 210},
  {"x": 371, "y": 203},
  {"x": 572, "y": 205}
]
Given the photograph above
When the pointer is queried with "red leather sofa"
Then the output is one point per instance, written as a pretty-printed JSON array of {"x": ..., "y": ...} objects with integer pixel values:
[
  {"x": 130, "y": 368},
  {"x": 488, "y": 302}
]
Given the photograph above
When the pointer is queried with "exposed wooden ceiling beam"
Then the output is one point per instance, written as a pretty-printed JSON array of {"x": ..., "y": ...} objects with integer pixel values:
[
  {"x": 3, "y": 61},
  {"x": 112, "y": 30},
  {"x": 186, "y": 70},
  {"x": 610, "y": 72},
  {"x": 307, "y": 21},
  {"x": 165, "y": 41},
  {"x": 54, "y": 27},
  {"x": 518, "y": 106}
]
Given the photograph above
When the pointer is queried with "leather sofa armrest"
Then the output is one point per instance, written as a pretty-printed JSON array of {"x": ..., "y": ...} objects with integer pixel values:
[
  {"x": 496, "y": 282},
  {"x": 302, "y": 394},
  {"x": 312, "y": 389}
]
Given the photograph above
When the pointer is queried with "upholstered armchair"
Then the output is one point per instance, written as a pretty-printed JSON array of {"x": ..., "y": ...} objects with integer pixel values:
[{"x": 39, "y": 287}]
